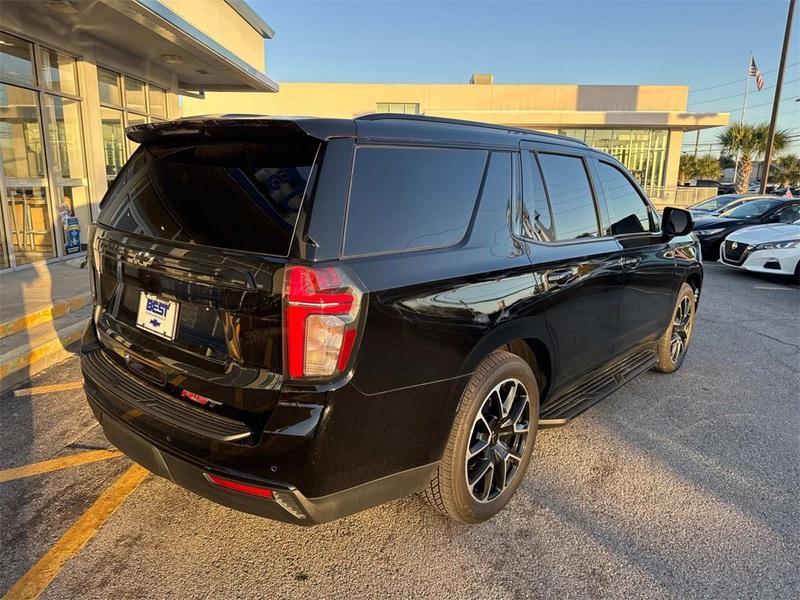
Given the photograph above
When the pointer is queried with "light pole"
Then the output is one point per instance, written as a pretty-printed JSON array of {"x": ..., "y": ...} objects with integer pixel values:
[{"x": 777, "y": 99}]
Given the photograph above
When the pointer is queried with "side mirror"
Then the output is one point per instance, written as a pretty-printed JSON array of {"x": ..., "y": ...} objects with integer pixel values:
[{"x": 676, "y": 222}]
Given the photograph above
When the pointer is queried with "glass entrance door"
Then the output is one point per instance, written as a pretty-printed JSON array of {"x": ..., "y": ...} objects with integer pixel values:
[{"x": 25, "y": 175}]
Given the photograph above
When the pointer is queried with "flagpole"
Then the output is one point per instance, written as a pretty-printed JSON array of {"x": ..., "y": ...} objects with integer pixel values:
[
  {"x": 741, "y": 118},
  {"x": 776, "y": 100}
]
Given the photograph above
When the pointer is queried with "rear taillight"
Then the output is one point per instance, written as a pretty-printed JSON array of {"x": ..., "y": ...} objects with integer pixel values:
[{"x": 321, "y": 309}]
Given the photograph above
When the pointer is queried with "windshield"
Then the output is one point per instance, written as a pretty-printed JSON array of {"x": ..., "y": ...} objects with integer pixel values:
[
  {"x": 749, "y": 210},
  {"x": 715, "y": 203}
]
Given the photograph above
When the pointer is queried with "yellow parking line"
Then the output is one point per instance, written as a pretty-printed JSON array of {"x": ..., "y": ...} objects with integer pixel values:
[
  {"x": 55, "y": 464},
  {"x": 39, "y": 576},
  {"x": 47, "y": 389}
]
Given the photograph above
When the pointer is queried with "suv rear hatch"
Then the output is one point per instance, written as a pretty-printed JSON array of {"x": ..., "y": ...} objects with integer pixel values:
[{"x": 188, "y": 259}]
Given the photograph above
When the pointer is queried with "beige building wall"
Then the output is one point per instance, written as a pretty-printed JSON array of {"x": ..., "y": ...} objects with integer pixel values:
[
  {"x": 542, "y": 107},
  {"x": 348, "y": 100}
]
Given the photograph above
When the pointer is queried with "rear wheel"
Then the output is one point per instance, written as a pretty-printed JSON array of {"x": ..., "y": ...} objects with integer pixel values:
[
  {"x": 490, "y": 445},
  {"x": 675, "y": 342}
]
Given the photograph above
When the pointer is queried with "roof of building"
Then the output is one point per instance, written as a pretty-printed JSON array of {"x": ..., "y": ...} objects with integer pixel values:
[{"x": 248, "y": 14}]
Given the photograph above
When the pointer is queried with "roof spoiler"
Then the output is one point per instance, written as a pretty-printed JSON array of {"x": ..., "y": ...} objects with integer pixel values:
[{"x": 239, "y": 126}]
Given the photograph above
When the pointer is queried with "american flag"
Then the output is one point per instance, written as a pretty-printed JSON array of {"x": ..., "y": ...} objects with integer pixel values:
[{"x": 754, "y": 72}]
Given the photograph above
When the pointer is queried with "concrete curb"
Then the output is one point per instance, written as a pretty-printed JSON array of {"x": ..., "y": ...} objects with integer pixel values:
[
  {"x": 44, "y": 315},
  {"x": 21, "y": 363}
]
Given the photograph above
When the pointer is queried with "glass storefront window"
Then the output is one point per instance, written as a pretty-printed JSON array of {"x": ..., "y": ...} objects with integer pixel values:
[
  {"x": 16, "y": 59},
  {"x": 25, "y": 176},
  {"x": 113, "y": 141},
  {"x": 158, "y": 101},
  {"x": 403, "y": 108},
  {"x": 58, "y": 72},
  {"x": 134, "y": 94},
  {"x": 642, "y": 151},
  {"x": 71, "y": 192},
  {"x": 108, "y": 85}
]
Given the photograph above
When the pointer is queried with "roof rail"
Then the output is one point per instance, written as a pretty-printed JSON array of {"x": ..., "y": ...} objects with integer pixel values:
[{"x": 429, "y": 119}]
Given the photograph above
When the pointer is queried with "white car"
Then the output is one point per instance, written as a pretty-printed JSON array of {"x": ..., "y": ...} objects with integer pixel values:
[{"x": 773, "y": 248}]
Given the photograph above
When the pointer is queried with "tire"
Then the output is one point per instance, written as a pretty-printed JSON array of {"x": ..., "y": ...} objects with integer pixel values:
[
  {"x": 508, "y": 432},
  {"x": 674, "y": 343}
]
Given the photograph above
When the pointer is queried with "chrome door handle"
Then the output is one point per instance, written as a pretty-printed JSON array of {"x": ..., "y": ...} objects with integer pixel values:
[
  {"x": 561, "y": 276},
  {"x": 630, "y": 262}
]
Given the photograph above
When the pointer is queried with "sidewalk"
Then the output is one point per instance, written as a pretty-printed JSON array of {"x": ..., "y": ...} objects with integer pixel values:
[
  {"x": 30, "y": 290},
  {"x": 43, "y": 311}
]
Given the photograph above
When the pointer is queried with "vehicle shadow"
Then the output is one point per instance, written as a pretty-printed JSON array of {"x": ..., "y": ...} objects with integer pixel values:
[{"x": 35, "y": 427}]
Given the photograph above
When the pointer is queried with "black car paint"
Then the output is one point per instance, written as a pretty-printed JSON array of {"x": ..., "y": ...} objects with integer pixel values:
[{"x": 431, "y": 317}]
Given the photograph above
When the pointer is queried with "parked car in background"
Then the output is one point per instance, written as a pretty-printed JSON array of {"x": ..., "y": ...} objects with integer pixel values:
[
  {"x": 726, "y": 188},
  {"x": 711, "y": 231},
  {"x": 706, "y": 183},
  {"x": 787, "y": 191},
  {"x": 301, "y": 318},
  {"x": 773, "y": 248},
  {"x": 717, "y": 204}
]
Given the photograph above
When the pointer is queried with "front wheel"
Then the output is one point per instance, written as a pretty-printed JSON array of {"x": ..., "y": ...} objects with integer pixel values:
[
  {"x": 674, "y": 343},
  {"x": 490, "y": 445}
]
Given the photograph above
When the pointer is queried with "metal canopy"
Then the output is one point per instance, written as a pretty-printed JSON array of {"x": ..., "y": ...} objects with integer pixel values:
[
  {"x": 150, "y": 29},
  {"x": 148, "y": 32}
]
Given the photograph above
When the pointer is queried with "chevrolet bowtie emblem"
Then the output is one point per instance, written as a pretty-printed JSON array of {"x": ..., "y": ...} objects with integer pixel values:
[{"x": 143, "y": 259}]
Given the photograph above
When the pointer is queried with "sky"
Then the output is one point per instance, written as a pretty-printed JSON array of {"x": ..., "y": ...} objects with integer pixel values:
[{"x": 705, "y": 45}]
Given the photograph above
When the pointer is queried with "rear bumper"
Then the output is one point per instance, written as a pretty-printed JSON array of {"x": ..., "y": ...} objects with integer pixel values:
[
  {"x": 184, "y": 449},
  {"x": 288, "y": 505},
  {"x": 285, "y": 507}
]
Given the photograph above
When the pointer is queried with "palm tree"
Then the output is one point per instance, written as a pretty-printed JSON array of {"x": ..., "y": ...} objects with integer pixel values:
[
  {"x": 750, "y": 142},
  {"x": 788, "y": 169}
]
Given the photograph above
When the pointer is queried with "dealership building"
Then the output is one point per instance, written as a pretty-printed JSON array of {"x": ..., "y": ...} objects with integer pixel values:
[
  {"x": 642, "y": 125},
  {"x": 75, "y": 73}
]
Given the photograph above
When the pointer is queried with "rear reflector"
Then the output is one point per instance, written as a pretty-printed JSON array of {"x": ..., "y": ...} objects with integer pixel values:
[
  {"x": 238, "y": 486},
  {"x": 201, "y": 400}
]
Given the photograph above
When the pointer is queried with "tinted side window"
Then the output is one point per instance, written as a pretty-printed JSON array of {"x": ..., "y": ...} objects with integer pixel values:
[
  {"x": 789, "y": 214},
  {"x": 492, "y": 217},
  {"x": 627, "y": 210},
  {"x": 537, "y": 221},
  {"x": 410, "y": 198},
  {"x": 571, "y": 198}
]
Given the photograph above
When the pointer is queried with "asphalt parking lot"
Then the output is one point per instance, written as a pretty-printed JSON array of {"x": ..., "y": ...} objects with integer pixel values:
[{"x": 681, "y": 486}]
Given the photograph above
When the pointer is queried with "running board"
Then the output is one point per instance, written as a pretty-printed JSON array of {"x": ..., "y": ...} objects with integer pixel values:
[{"x": 578, "y": 399}]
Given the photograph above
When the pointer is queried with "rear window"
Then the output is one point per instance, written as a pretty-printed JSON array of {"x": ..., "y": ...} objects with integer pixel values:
[
  {"x": 411, "y": 198},
  {"x": 237, "y": 195}
]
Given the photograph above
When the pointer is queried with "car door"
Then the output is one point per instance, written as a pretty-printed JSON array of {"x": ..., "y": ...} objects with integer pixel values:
[
  {"x": 580, "y": 268},
  {"x": 647, "y": 259}
]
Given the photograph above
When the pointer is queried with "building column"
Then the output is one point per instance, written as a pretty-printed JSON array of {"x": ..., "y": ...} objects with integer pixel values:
[
  {"x": 93, "y": 136},
  {"x": 674, "y": 142}
]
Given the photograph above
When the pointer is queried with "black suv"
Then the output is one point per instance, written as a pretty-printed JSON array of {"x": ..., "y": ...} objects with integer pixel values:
[{"x": 301, "y": 318}]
